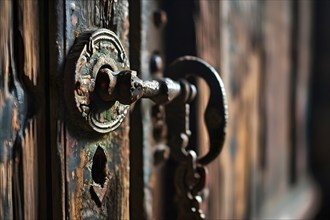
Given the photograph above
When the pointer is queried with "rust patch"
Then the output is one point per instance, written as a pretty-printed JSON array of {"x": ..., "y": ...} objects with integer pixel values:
[
  {"x": 74, "y": 20},
  {"x": 77, "y": 203},
  {"x": 15, "y": 121}
]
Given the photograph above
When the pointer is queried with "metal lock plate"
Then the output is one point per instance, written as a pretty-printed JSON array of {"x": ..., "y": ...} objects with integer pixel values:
[{"x": 93, "y": 51}]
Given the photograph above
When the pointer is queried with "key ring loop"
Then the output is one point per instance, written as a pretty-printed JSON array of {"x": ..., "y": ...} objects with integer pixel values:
[{"x": 216, "y": 113}]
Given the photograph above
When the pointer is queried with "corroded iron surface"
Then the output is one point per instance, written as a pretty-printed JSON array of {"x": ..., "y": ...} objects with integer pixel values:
[
  {"x": 191, "y": 173},
  {"x": 216, "y": 113},
  {"x": 92, "y": 52}
]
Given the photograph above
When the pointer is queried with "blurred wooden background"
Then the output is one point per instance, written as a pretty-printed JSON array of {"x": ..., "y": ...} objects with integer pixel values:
[{"x": 274, "y": 58}]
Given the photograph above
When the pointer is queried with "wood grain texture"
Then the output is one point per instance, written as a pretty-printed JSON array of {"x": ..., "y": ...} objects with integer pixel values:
[
  {"x": 7, "y": 101},
  {"x": 263, "y": 49},
  {"x": 241, "y": 66},
  {"x": 20, "y": 121},
  {"x": 80, "y": 151},
  {"x": 29, "y": 32},
  {"x": 208, "y": 48}
]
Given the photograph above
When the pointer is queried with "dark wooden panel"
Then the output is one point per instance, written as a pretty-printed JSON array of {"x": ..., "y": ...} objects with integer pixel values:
[
  {"x": 147, "y": 32},
  {"x": 9, "y": 124},
  {"x": 264, "y": 50},
  {"x": 319, "y": 118},
  {"x": 82, "y": 150},
  {"x": 22, "y": 112}
]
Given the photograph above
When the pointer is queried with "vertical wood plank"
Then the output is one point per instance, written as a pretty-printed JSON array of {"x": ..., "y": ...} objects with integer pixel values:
[
  {"x": 136, "y": 196},
  {"x": 7, "y": 109},
  {"x": 265, "y": 57},
  {"x": 21, "y": 124},
  {"x": 277, "y": 90},
  {"x": 208, "y": 39},
  {"x": 81, "y": 16},
  {"x": 152, "y": 42},
  {"x": 241, "y": 65},
  {"x": 303, "y": 48},
  {"x": 29, "y": 32},
  {"x": 54, "y": 65}
]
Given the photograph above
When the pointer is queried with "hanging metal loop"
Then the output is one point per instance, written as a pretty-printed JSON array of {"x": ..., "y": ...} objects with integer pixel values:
[
  {"x": 190, "y": 175},
  {"x": 216, "y": 112}
]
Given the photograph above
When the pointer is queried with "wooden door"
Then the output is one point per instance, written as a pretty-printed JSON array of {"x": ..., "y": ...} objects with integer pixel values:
[
  {"x": 264, "y": 52},
  {"x": 23, "y": 110},
  {"x": 51, "y": 167},
  {"x": 46, "y": 165},
  {"x": 96, "y": 175}
]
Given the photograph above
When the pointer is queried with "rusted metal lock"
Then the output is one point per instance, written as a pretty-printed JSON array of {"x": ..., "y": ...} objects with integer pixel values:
[
  {"x": 99, "y": 87},
  {"x": 92, "y": 52}
]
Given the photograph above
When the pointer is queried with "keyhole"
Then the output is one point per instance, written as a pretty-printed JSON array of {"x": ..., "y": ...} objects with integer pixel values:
[
  {"x": 102, "y": 100},
  {"x": 99, "y": 172},
  {"x": 102, "y": 85}
]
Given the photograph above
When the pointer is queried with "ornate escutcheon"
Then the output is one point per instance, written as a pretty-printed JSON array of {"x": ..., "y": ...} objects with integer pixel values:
[
  {"x": 99, "y": 87},
  {"x": 92, "y": 52}
]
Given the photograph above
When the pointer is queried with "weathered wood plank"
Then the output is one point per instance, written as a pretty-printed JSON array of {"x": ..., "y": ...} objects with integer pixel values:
[
  {"x": 81, "y": 152},
  {"x": 241, "y": 65},
  {"x": 208, "y": 48},
  {"x": 20, "y": 123},
  {"x": 277, "y": 90},
  {"x": 266, "y": 67},
  {"x": 54, "y": 27},
  {"x": 29, "y": 30},
  {"x": 303, "y": 75},
  {"x": 151, "y": 45},
  {"x": 7, "y": 110}
]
